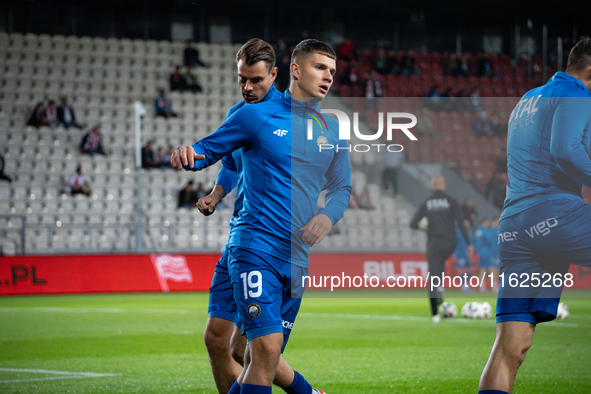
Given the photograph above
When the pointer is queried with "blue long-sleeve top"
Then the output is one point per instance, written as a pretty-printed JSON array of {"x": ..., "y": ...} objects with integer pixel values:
[
  {"x": 481, "y": 242},
  {"x": 461, "y": 244},
  {"x": 230, "y": 175},
  {"x": 283, "y": 173},
  {"x": 548, "y": 144}
]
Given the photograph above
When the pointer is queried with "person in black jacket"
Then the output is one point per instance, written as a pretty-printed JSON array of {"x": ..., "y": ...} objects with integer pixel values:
[
  {"x": 188, "y": 196},
  {"x": 442, "y": 212},
  {"x": 66, "y": 116}
]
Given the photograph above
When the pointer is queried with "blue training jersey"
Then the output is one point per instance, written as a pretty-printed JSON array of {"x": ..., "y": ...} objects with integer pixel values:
[
  {"x": 230, "y": 175},
  {"x": 283, "y": 173},
  {"x": 548, "y": 144},
  {"x": 482, "y": 242},
  {"x": 461, "y": 244}
]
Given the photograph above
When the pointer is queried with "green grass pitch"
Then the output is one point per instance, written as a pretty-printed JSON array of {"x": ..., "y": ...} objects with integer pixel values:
[{"x": 153, "y": 343}]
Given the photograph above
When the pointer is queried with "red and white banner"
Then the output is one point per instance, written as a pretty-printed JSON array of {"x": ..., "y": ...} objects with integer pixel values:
[{"x": 193, "y": 272}]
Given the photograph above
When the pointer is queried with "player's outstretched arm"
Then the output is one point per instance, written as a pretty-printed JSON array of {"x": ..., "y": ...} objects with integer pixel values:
[
  {"x": 184, "y": 156},
  {"x": 238, "y": 131}
]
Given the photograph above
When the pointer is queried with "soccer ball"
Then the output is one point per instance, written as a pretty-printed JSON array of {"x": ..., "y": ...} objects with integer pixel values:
[
  {"x": 424, "y": 224},
  {"x": 448, "y": 309},
  {"x": 467, "y": 310},
  {"x": 563, "y": 312},
  {"x": 484, "y": 310}
]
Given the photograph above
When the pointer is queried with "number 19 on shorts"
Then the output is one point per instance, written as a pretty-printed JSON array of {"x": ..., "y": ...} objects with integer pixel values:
[{"x": 252, "y": 283}]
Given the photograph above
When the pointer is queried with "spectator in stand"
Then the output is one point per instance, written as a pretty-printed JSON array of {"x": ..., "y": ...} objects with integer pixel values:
[
  {"x": 496, "y": 189},
  {"x": 475, "y": 101},
  {"x": 499, "y": 128},
  {"x": 351, "y": 76},
  {"x": 392, "y": 63},
  {"x": 485, "y": 66},
  {"x": 166, "y": 159},
  {"x": 148, "y": 157},
  {"x": 465, "y": 65},
  {"x": 434, "y": 98},
  {"x": 201, "y": 192},
  {"x": 280, "y": 48},
  {"x": 373, "y": 89},
  {"x": 51, "y": 114},
  {"x": 452, "y": 65},
  {"x": 92, "y": 141},
  {"x": 191, "y": 56},
  {"x": 191, "y": 81},
  {"x": 483, "y": 126},
  {"x": 390, "y": 163},
  {"x": 3, "y": 176},
  {"x": 159, "y": 157},
  {"x": 39, "y": 116},
  {"x": 346, "y": 50},
  {"x": 77, "y": 184},
  {"x": 66, "y": 116},
  {"x": 409, "y": 63},
  {"x": 177, "y": 80},
  {"x": 468, "y": 211},
  {"x": 380, "y": 63},
  {"x": 188, "y": 196},
  {"x": 164, "y": 105},
  {"x": 283, "y": 73}
]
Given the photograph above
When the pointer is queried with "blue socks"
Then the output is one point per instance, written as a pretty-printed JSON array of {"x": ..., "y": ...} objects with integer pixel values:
[
  {"x": 235, "y": 389},
  {"x": 255, "y": 389},
  {"x": 489, "y": 392},
  {"x": 299, "y": 385}
]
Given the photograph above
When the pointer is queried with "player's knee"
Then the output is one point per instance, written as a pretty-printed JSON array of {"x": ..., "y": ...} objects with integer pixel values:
[
  {"x": 214, "y": 340},
  {"x": 268, "y": 347},
  {"x": 237, "y": 352}
]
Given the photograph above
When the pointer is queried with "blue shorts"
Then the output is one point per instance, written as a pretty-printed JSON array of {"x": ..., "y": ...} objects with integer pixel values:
[
  {"x": 262, "y": 287},
  {"x": 221, "y": 297},
  {"x": 540, "y": 242}
]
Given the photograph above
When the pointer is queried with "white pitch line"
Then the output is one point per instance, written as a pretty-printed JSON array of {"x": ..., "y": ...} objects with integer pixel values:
[
  {"x": 199, "y": 312},
  {"x": 101, "y": 310},
  {"x": 38, "y": 379},
  {"x": 69, "y": 375},
  {"x": 89, "y": 374}
]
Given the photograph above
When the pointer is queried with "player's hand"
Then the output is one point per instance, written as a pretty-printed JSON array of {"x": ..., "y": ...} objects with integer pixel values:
[
  {"x": 586, "y": 194},
  {"x": 185, "y": 156},
  {"x": 207, "y": 204},
  {"x": 469, "y": 250},
  {"x": 316, "y": 229}
]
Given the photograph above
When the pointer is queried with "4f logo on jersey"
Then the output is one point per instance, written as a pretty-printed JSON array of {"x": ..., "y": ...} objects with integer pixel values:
[{"x": 280, "y": 132}]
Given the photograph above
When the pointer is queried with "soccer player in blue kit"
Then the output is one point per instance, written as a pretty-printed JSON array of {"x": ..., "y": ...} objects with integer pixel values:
[
  {"x": 284, "y": 172},
  {"x": 545, "y": 224}
]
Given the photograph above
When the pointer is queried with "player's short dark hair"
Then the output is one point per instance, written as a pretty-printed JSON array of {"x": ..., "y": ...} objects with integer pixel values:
[
  {"x": 309, "y": 47},
  {"x": 579, "y": 57},
  {"x": 256, "y": 50}
]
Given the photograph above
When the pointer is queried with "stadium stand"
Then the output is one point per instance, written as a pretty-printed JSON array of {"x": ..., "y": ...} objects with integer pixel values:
[{"x": 102, "y": 79}]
